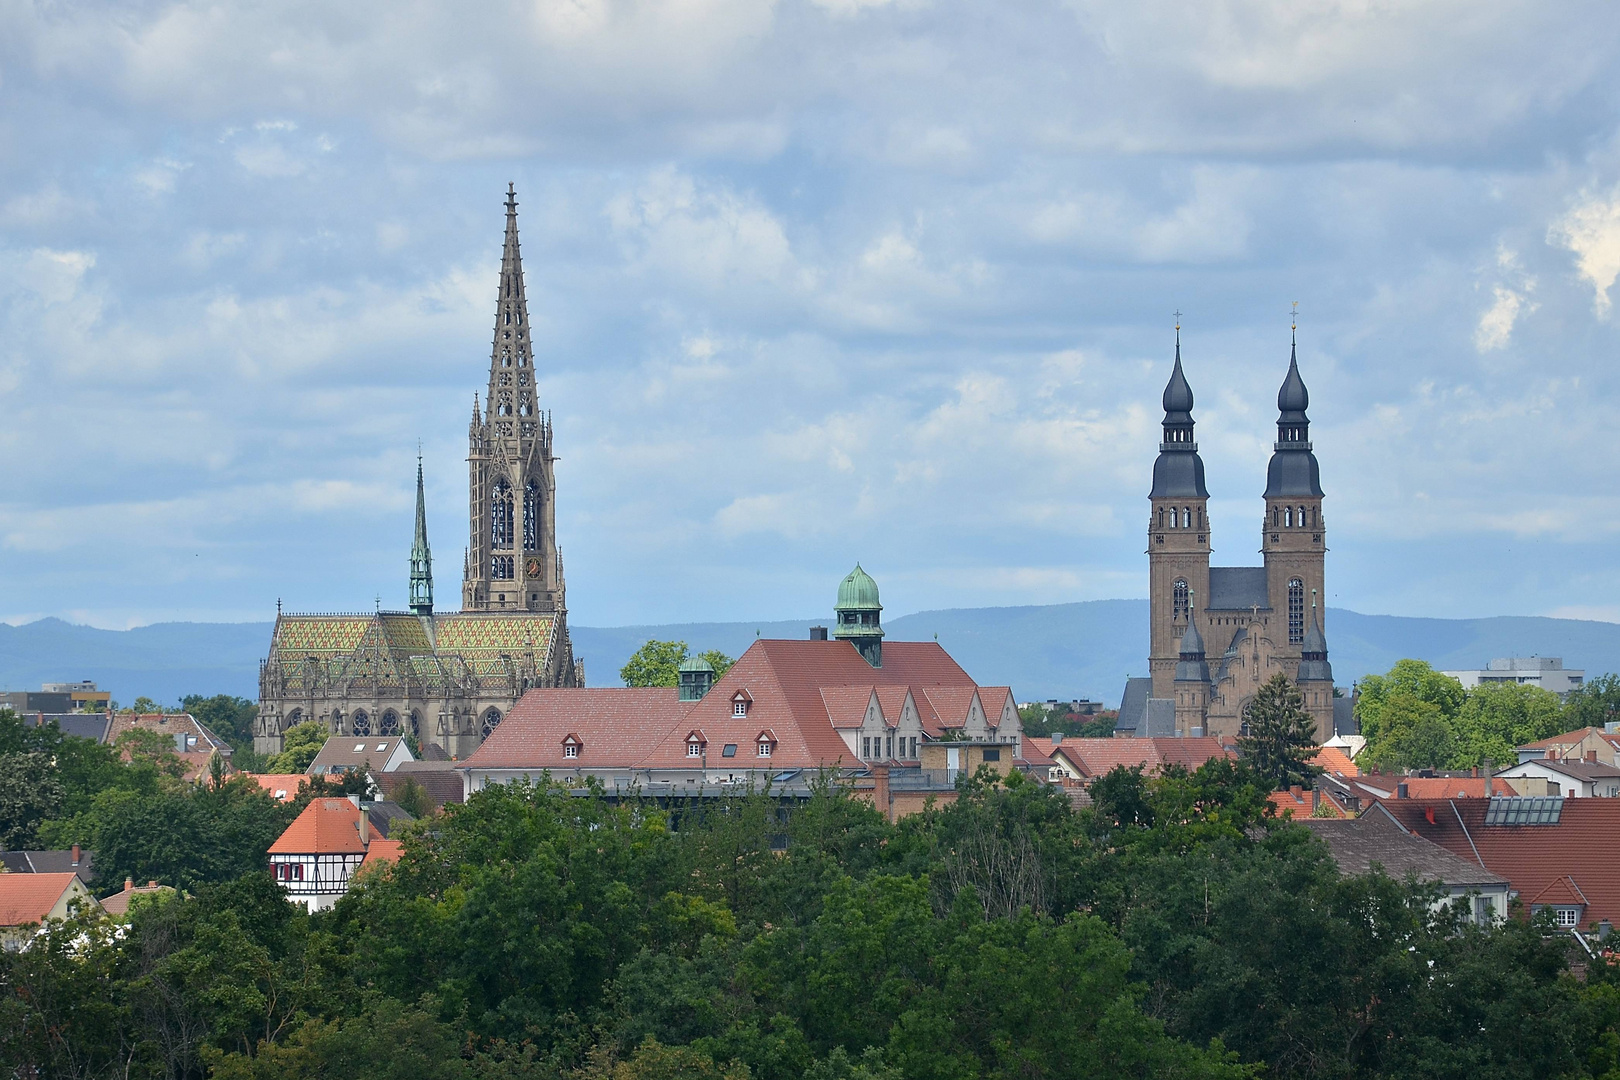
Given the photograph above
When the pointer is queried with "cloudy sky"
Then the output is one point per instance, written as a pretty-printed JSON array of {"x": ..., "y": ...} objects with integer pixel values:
[{"x": 812, "y": 281}]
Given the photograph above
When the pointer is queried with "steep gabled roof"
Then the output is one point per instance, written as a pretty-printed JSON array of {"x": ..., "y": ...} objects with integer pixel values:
[
  {"x": 1579, "y": 846},
  {"x": 28, "y": 898},
  {"x": 326, "y": 827},
  {"x": 1360, "y": 843},
  {"x": 616, "y": 725}
]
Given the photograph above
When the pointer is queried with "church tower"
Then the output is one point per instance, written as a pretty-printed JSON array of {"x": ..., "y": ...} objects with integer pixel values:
[
  {"x": 1293, "y": 535},
  {"x": 1178, "y": 533},
  {"x": 512, "y": 559}
]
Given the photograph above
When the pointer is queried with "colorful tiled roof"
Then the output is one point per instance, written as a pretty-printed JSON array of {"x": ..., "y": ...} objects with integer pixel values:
[
  {"x": 326, "y": 827},
  {"x": 28, "y": 898}
]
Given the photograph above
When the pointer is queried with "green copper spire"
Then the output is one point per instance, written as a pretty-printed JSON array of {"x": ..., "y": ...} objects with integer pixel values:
[{"x": 421, "y": 557}]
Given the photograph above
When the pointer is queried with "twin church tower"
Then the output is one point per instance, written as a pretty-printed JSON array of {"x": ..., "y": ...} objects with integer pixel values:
[{"x": 1219, "y": 632}]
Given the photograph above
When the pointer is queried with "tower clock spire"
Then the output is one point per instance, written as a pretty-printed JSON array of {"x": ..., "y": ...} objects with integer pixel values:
[{"x": 421, "y": 557}]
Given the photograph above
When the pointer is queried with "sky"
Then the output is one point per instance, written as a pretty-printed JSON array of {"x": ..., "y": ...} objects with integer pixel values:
[{"x": 811, "y": 282}]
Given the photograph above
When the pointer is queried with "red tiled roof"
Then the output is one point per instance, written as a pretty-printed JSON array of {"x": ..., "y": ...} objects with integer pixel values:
[
  {"x": 382, "y": 851},
  {"x": 283, "y": 786},
  {"x": 846, "y": 705},
  {"x": 167, "y": 725},
  {"x": 1093, "y": 757},
  {"x": 1299, "y": 804},
  {"x": 614, "y": 725},
  {"x": 28, "y": 898},
  {"x": 892, "y": 700},
  {"x": 1562, "y": 890},
  {"x": 1532, "y": 857},
  {"x": 326, "y": 827},
  {"x": 1566, "y": 739},
  {"x": 1383, "y": 786},
  {"x": 1335, "y": 761}
]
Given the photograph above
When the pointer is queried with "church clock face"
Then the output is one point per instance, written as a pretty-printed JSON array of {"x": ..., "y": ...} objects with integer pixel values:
[{"x": 532, "y": 568}]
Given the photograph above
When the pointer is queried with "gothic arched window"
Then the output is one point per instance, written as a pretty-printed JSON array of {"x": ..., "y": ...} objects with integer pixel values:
[
  {"x": 506, "y": 358},
  {"x": 531, "y": 516},
  {"x": 390, "y": 723},
  {"x": 1186, "y": 518},
  {"x": 1288, "y": 517},
  {"x": 361, "y": 724},
  {"x": 1178, "y": 599},
  {"x": 500, "y": 515},
  {"x": 416, "y": 723},
  {"x": 1296, "y": 611}
]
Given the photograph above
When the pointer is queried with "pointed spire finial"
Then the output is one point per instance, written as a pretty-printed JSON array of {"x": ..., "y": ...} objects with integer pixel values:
[{"x": 1293, "y": 325}]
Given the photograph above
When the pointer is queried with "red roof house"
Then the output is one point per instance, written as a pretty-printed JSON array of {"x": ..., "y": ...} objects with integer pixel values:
[
  {"x": 1557, "y": 852},
  {"x": 29, "y": 899},
  {"x": 321, "y": 850}
]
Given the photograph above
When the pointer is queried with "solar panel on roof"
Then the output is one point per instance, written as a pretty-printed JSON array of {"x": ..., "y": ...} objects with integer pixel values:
[{"x": 1524, "y": 810}]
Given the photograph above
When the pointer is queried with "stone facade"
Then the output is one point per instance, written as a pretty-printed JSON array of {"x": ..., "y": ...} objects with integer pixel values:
[
  {"x": 449, "y": 679},
  {"x": 1256, "y": 620}
]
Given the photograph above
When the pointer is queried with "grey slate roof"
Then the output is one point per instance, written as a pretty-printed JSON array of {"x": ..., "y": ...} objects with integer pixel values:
[
  {"x": 1158, "y": 719},
  {"x": 50, "y": 862},
  {"x": 79, "y": 725},
  {"x": 1375, "y": 837},
  {"x": 1237, "y": 588},
  {"x": 1132, "y": 704},
  {"x": 1344, "y": 717}
]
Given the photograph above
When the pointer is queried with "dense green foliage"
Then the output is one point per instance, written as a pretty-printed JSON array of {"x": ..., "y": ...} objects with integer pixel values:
[
  {"x": 299, "y": 746},
  {"x": 1040, "y": 721},
  {"x": 229, "y": 717},
  {"x": 1171, "y": 931},
  {"x": 1416, "y": 718},
  {"x": 657, "y": 663}
]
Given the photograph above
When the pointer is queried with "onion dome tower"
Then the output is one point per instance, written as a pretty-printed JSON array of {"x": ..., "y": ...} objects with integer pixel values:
[
  {"x": 1178, "y": 531},
  {"x": 859, "y": 616},
  {"x": 1294, "y": 534}
]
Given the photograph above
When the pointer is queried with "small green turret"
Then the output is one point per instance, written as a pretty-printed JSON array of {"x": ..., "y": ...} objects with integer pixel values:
[{"x": 859, "y": 620}]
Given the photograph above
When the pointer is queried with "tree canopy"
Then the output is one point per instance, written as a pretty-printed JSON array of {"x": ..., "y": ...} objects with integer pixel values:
[
  {"x": 1416, "y": 717},
  {"x": 1279, "y": 736},
  {"x": 657, "y": 663}
]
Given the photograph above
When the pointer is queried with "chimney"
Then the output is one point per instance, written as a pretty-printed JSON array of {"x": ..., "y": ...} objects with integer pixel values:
[
  {"x": 1401, "y": 790},
  {"x": 151, "y": 884},
  {"x": 1591, "y": 756},
  {"x": 365, "y": 829},
  {"x": 1298, "y": 791},
  {"x": 1057, "y": 738},
  {"x": 1474, "y": 772},
  {"x": 129, "y": 883},
  {"x": 818, "y": 633},
  {"x": 1316, "y": 799},
  {"x": 1428, "y": 814},
  {"x": 76, "y": 854}
]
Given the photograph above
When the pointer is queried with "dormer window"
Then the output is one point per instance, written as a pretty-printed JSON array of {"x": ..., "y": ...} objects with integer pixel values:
[
  {"x": 694, "y": 745},
  {"x": 764, "y": 743},
  {"x": 572, "y": 746},
  {"x": 740, "y": 702},
  {"x": 764, "y": 749}
]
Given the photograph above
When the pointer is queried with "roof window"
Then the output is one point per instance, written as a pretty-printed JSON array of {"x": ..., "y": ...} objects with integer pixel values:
[
  {"x": 359, "y": 747},
  {"x": 729, "y": 750}
]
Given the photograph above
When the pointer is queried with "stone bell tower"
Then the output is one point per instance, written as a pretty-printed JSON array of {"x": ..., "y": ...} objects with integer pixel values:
[
  {"x": 1178, "y": 533},
  {"x": 513, "y": 563}
]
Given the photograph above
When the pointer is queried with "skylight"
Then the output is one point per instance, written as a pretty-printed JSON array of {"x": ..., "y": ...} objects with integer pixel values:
[{"x": 1524, "y": 810}]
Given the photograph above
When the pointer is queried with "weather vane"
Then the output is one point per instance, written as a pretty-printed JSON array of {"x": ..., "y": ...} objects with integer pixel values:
[{"x": 1294, "y": 317}]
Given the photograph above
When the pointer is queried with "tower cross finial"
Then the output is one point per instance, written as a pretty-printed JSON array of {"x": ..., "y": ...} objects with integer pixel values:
[{"x": 1293, "y": 320}]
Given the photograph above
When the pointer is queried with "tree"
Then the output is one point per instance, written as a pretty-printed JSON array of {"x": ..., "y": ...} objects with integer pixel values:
[
  {"x": 1414, "y": 678},
  {"x": 1593, "y": 705},
  {"x": 231, "y": 718},
  {"x": 717, "y": 660},
  {"x": 1413, "y": 733},
  {"x": 30, "y": 793},
  {"x": 299, "y": 746},
  {"x": 1497, "y": 717},
  {"x": 656, "y": 663},
  {"x": 413, "y": 798},
  {"x": 1281, "y": 736}
]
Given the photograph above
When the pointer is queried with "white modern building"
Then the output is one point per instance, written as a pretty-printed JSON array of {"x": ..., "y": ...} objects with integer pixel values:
[{"x": 1547, "y": 672}]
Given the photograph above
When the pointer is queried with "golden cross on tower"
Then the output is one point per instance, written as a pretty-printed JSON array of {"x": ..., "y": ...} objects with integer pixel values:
[
  {"x": 1293, "y": 317},
  {"x": 1178, "y": 320}
]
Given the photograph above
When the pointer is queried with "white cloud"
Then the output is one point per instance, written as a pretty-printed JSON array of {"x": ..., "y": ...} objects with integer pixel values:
[{"x": 1591, "y": 230}]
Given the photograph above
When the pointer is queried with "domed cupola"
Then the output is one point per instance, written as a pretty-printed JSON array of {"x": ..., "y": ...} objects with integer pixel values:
[
  {"x": 1179, "y": 471},
  {"x": 1293, "y": 470},
  {"x": 858, "y": 615}
]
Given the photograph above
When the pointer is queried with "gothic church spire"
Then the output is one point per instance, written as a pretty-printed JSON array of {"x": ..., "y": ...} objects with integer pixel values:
[
  {"x": 1293, "y": 470},
  {"x": 1179, "y": 471},
  {"x": 421, "y": 557}
]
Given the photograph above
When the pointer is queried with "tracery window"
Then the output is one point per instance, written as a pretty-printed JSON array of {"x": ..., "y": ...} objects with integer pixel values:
[
  {"x": 506, "y": 358},
  {"x": 389, "y": 724},
  {"x": 1178, "y": 599},
  {"x": 1296, "y": 611},
  {"x": 500, "y": 515},
  {"x": 361, "y": 725},
  {"x": 502, "y": 567},
  {"x": 531, "y": 516},
  {"x": 492, "y": 720}
]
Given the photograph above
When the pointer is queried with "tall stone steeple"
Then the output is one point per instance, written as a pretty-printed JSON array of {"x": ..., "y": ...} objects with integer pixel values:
[
  {"x": 1178, "y": 532},
  {"x": 421, "y": 557},
  {"x": 512, "y": 561},
  {"x": 1294, "y": 533}
]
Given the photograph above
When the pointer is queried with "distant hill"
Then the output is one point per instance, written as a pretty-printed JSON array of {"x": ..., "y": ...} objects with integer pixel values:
[{"x": 1057, "y": 650}]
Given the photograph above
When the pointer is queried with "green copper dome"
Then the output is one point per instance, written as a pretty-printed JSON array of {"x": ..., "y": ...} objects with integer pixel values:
[
  {"x": 696, "y": 663},
  {"x": 858, "y": 592}
]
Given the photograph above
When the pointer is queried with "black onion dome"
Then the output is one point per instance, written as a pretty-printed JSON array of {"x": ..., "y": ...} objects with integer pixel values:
[
  {"x": 1292, "y": 397},
  {"x": 1178, "y": 396}
]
